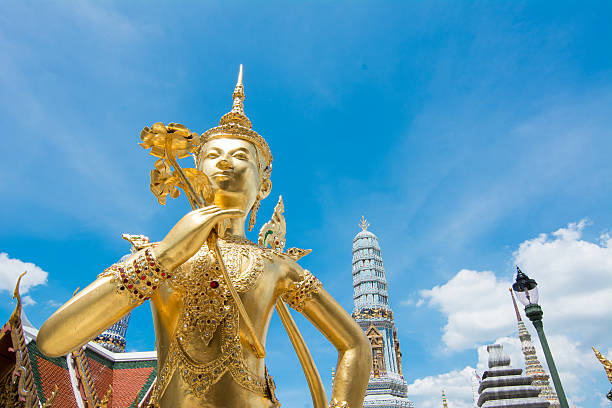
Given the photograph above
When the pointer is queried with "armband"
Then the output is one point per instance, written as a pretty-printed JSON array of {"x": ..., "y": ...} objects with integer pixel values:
[
  {"x": 138, "y": 277},
  {"x": 338, "y": 404},
  {"x": 300, "y": 292}
]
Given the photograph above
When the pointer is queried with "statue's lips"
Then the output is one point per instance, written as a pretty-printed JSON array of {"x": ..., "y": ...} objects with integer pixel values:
[{"x": 223, "y": 175}]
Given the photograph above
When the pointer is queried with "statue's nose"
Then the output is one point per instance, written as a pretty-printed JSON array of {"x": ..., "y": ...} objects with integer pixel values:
[{"x": 224, "y": 164}]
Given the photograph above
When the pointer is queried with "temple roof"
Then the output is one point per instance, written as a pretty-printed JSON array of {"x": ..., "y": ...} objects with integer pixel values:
[{"x": 83, "y": 378}]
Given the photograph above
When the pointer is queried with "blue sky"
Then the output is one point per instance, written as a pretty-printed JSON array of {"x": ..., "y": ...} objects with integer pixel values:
[{"x": 461, "y": 130}]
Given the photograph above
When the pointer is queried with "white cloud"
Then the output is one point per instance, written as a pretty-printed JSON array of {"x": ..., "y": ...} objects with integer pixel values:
[
  {"x": 28, "y": 301},
  {"x": 574, "y": 280},
  {"x": 427, "y": 392},
  {"x": 471, "y": 302},
  {"x": 11, "y": 268},
  {"x": 575, "y": 285}
]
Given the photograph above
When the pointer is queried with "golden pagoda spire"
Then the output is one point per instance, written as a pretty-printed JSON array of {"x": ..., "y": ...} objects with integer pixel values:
[{"x": 444, "y": 403}]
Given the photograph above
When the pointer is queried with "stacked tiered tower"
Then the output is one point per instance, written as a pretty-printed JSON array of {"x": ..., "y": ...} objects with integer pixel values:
[
  {"x": 533, "y": 368},
  {"x": 387, "y": 387},
  {"x": 113, "y": 338},
  {"x": 503, "y": 386}
]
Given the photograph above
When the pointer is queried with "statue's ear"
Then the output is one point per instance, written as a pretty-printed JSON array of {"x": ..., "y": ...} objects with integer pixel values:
[{"x": 265, "y": 188}]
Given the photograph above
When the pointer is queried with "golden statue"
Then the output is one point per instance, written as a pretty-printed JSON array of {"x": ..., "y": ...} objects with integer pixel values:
[{"x": 212, "y": 290}]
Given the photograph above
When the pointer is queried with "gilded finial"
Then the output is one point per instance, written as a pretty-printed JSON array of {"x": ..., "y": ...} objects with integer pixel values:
[
  {"x": 444, "y": 403},
  {"x": 363, "y": 223}
]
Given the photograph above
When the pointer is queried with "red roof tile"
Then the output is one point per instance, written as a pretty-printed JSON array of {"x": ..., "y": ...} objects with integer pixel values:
[
  {"x": 102, "y": 377},
  {"x": 127, "y": 384},
  {"x": 51, "y": 374}
]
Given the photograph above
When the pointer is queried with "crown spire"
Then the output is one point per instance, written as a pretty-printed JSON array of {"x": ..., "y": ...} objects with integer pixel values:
[
  {"x": 236, "y": 115},
  {"x": 518, "y": 315},
  {"x": 363, "y": 223},
  {"x": 236, "y": 124}
]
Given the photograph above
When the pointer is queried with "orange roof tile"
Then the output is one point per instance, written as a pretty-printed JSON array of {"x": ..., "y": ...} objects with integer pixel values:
[
  {"x": 51, "y": 374},
  {"x": 128, "y": 383}
]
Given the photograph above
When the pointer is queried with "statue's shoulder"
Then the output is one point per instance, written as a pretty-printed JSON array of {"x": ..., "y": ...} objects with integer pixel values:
[{"x": 273, "y": 234}]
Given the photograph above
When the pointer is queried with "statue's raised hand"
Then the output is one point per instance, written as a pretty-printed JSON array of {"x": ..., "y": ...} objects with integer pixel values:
[{"x": 189, "y": 234}]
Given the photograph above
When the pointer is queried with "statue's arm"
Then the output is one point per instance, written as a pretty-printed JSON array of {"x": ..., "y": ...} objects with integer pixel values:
[
  {"x": 112, "y": 295},
  {"x": 354, "y": 350},
  {"x": 83, "y": 317}
]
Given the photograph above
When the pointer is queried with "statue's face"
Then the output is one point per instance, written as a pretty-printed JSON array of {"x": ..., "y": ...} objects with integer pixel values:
[{"x": 232, "y": 166}]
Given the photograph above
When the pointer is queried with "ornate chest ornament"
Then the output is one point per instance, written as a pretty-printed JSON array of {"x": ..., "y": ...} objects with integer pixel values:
[{"x": 208, "y": 309}]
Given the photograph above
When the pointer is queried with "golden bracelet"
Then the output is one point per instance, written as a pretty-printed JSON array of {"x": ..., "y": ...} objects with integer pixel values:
[
  {"x": 300, "y": 292},
  {"x": 338, "y": 404},
  {"x": 138, "y": 277}
]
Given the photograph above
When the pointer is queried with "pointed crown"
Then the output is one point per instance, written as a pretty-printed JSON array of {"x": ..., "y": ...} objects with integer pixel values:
[{"x": 236, "y": 124}]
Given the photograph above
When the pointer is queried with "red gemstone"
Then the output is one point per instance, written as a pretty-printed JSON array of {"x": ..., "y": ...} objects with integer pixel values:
[
  {"x": 214, "y": 284},
  {"x": 154, "y": 287},
  {"x": 140, "y": 296},
  {"x": 125, "y": 281},
  {"x": 143, "y": 277},
  {"x": 130, "y": 286},
  {"x": 152, "y": 263},
  {"x": 163, "y": 273},
  {"x": 169, "y": 276}
]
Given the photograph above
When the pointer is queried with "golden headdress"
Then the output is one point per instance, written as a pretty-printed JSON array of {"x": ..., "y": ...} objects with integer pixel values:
[{"x": 236, "y": 124}]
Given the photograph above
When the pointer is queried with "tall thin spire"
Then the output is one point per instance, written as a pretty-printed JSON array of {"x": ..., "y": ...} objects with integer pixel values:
[
  {"x": 444, "y": 404},
  {"x": 518, "y": 315},
  {"x": 533, "y": 367}
]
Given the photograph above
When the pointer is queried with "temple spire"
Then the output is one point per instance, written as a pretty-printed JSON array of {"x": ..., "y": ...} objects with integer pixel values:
[
  {"x": 387, "y": 387},
  {"x": 444, "y": 404},
  {"x": 504, "y": 386},
  {"x": 518, "y": 315},
  {"x": 533, "y": 367}
]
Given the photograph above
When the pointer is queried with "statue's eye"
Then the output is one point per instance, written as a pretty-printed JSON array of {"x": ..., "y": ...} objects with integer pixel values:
[
  {"x": 212, "y": 155},
  {"x": 240, "y": 156}
]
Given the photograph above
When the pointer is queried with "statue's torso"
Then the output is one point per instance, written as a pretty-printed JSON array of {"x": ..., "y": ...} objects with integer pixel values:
[{"x": 204, "y": 355}]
